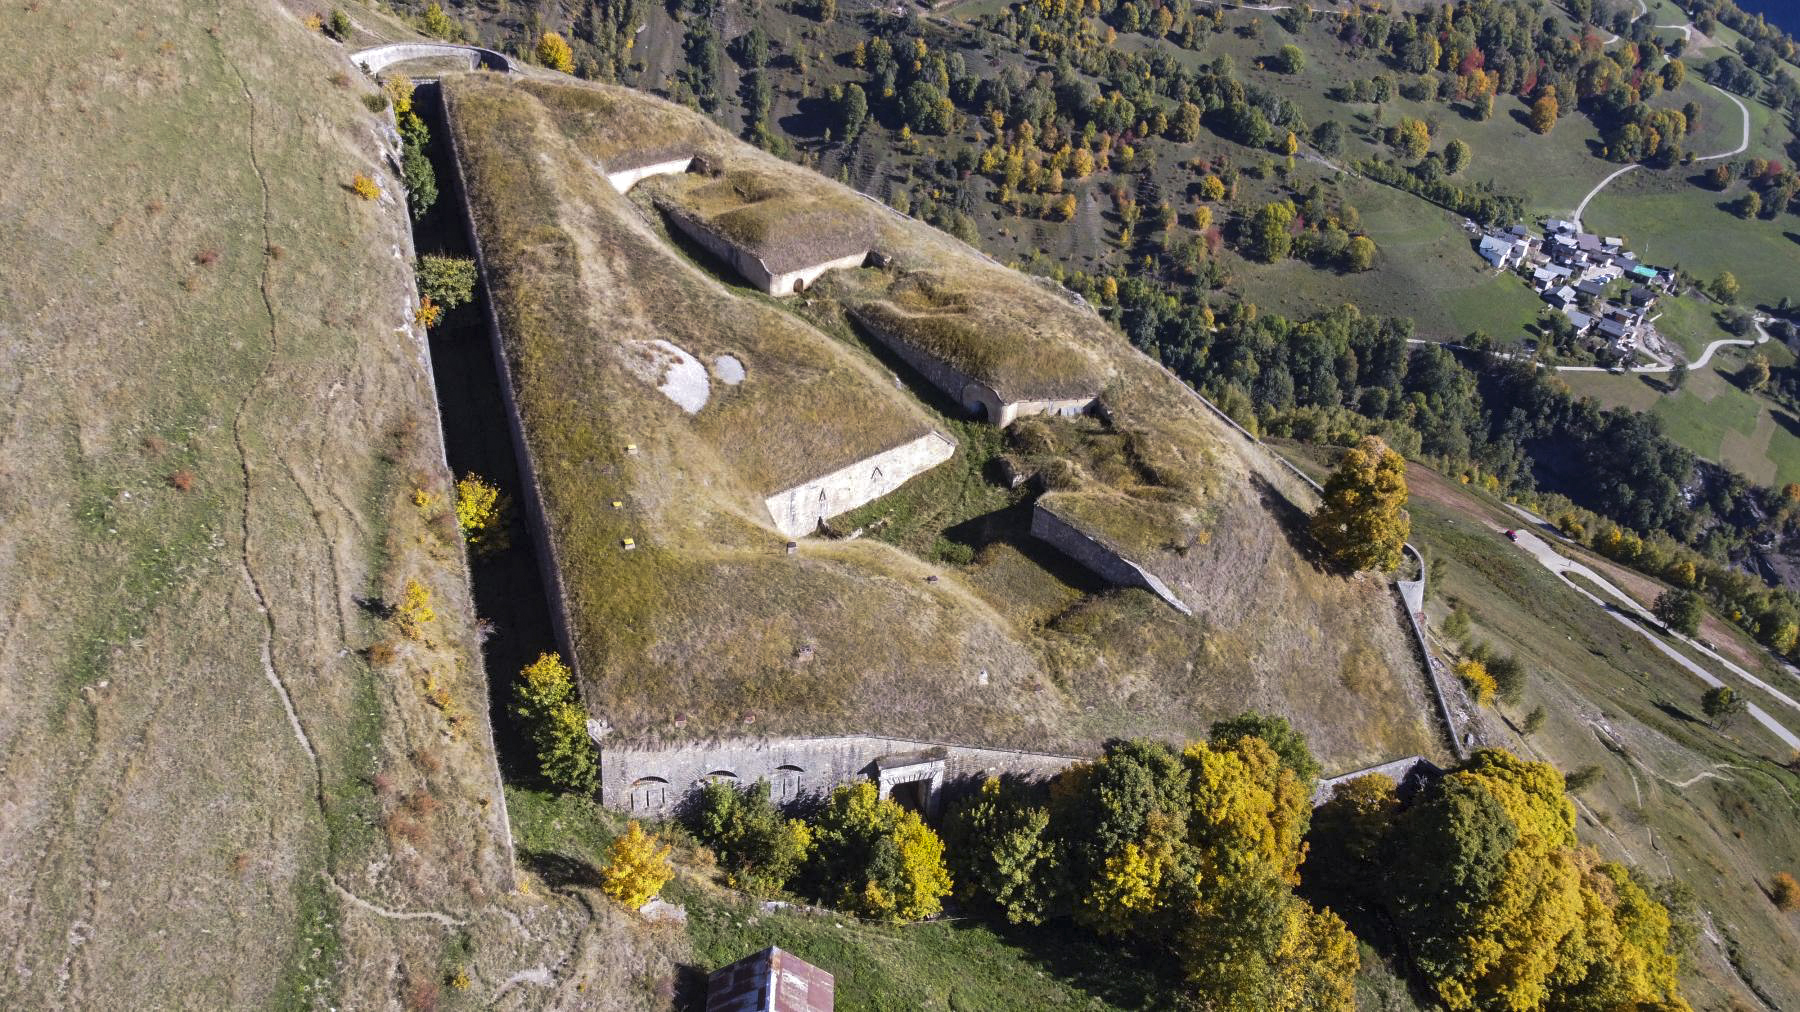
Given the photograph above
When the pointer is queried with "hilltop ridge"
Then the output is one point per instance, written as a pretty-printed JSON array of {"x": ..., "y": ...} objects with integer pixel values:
[{"x": 705, "y": 625}]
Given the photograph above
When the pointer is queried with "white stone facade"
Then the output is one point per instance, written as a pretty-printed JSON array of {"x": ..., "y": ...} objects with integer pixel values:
[
  {"x": 653, "y": 781},
  {"x": 798, "y": 510},
  {"x": 624, "y": 179}
]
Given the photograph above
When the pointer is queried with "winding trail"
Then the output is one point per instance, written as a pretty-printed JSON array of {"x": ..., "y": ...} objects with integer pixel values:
[
  {"x": 1687, "y": 31},
  {"x": 1629, "y": 613}
]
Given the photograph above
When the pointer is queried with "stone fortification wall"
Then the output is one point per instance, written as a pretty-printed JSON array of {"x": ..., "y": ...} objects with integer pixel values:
[
  {"x": 624, "y": 179},
  {"x": 654, "y": 780},
  {"x": 975, "y": 396},
  {"x": 1009, "y": 411},
  {"x": 1103, "y": 560},
  {"x": 798, "y": 510},
  {"x": 802, "y": 279},
  {"x": 748, "y": 267},
  {"x": 379, "y": 58},
  {"x": 971, "y": 393}
]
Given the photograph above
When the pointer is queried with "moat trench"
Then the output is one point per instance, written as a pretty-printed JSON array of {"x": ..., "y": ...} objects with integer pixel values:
[{"x": 508, "y": 582}]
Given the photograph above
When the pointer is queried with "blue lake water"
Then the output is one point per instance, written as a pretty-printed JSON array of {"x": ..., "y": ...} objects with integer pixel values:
[{"x": 1785, "y": 13}]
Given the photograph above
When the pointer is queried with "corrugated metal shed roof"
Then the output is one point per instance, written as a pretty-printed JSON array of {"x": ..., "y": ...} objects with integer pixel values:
[{"x": 770, "y": 981}]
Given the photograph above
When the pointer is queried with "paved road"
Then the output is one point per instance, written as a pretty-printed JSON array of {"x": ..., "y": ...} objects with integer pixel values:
[
  {"x": 1629, "y": 613},
  {"x": 1744, "y": 142}
]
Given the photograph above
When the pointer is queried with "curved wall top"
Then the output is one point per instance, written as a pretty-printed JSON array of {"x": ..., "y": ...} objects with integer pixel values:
[{"x": 379, "y": 58}]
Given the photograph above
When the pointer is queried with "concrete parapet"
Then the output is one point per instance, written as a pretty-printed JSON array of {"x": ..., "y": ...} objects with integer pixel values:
[
  {"x": 379, "y": 58},
  {"x": 1102, "y": 559},
  {"x": 798, "y": 510}
]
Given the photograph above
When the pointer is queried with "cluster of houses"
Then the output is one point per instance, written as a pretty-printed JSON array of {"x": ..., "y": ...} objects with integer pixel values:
[{"x": 1577, "y": 272}]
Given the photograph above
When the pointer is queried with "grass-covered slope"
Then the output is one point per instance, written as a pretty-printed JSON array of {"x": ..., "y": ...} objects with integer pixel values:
[
  {"x": 213, "y": 421},
  {"x": 709, "y": 620},
  {"x": 1673, "y": 795}
]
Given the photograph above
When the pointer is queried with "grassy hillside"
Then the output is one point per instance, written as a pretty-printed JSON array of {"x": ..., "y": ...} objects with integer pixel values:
[
  {"x": 708, "y": 620},
  {"x": 232, "y": 782}
]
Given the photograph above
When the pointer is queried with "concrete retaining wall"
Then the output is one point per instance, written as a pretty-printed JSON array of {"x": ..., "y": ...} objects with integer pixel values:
[
  {"x": 976, "y": 397},
  {"x": 1103, "y": 560},
  {"x": 655, "y": 780},
  {"x": 748, "y": 265},
  {"x": 802, "y": 279},
  {"x": 625, "y": 179},
  {"x": 379, "y": 58},
  {"x": 798, "y": 510}
]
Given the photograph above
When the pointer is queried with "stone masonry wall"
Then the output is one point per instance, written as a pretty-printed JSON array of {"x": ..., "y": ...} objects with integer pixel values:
[
  {"x": 972, "y": 394},
  {"x": 794, "y": 281},
  {"x": 748, "y": 267},
  {"x": 798, "y": 510},
  {"x": 655, "y": 780},
  {"x": 1012, "y": 410},
  {"x": 1104, "y": 561}
]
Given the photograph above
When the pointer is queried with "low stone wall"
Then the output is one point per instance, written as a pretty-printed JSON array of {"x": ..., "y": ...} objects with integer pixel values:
[
  {"x": 653, "y": 781},
  {"x": 976, "y": 397},
  {"x": 1408, "y": 774},
  {"x": 748, "y": 265},
  {"x": 379, "y": 58},
  {"x": 798, "y": 510},
  {"x": 624, "y": 179},
  {"x": 1009, "y": 411},
  {"x": 802, "y": 279},
  {"x": 1097, "y": 556}
]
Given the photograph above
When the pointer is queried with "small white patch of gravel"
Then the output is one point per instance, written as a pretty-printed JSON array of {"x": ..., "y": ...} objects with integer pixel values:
[
  {"x": 729, "y": 370},
  {"x": 680, "y": 376}
]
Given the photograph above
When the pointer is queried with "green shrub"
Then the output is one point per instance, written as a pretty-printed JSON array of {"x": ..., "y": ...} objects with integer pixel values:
[
  {"x": 447, "y": 281},
  {"x": 420, "y": 179},
  {"x": 338, "y": 26},
  {"x": 376, "y": 101},
  {"x": 758, "y": 849}
]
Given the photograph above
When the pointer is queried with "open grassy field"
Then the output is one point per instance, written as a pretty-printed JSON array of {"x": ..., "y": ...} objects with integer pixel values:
[
  {"x": 709, "y": 619},
  {"x": 1669, "y": 221},
  {"x": 1427, "y": 269},
  {"x": 1711, "y": 416}
]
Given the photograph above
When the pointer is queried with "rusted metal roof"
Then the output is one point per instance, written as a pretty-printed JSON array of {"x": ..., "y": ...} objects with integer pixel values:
[{"x": 770, "y": 981}]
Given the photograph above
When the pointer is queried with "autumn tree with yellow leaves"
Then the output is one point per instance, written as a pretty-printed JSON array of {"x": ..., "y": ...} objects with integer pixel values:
[
  {"x": 1192, "y": 855},
  {"x": 1362, "y": 521},
  {"x": 544, "y": 702},
  {"x": 877, "y": 859},
  {"x": 1498, "y": 904},
  {"x": 636, "y": 869}
]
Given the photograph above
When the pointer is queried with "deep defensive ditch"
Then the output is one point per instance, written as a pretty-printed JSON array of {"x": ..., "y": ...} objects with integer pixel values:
[{"x": 509, "y": 581}]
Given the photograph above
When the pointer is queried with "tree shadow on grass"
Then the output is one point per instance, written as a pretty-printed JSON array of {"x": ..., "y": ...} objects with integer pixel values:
[
  {"x": 1295, "y": 523},
  {"x": 560, "y": 871},
  {"x": 1678, "y": 713},
  {"x": 1131, "y": 980}
]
